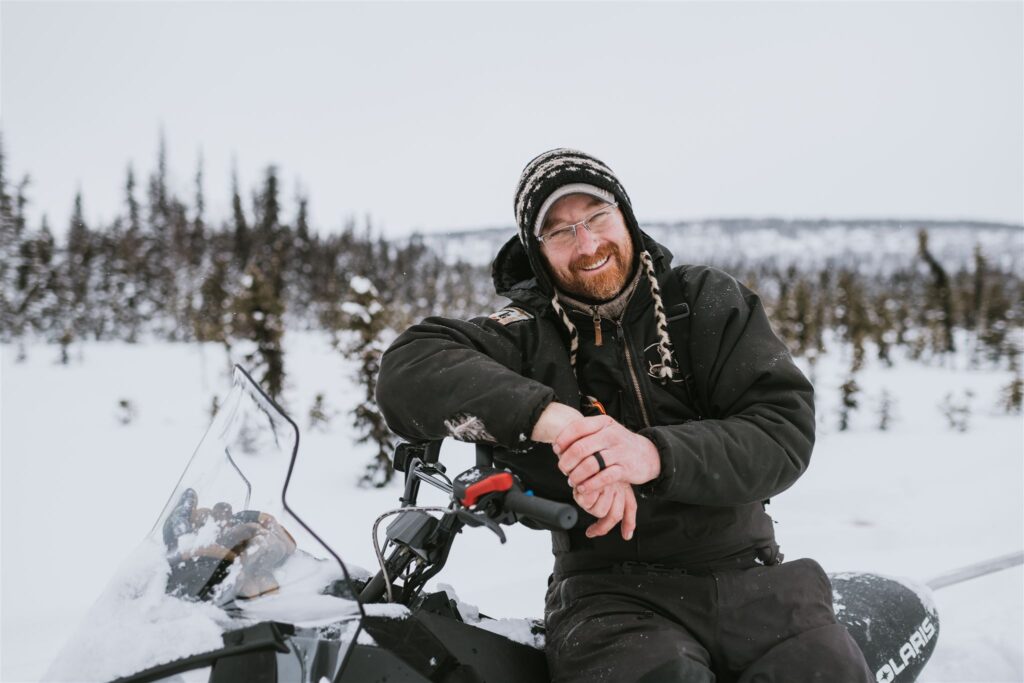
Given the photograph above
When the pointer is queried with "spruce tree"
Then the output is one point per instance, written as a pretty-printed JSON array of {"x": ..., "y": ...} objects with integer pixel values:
[
  {"x": 257, "y": 318},
  {"x": 368, "y": 320},
  {"x": 78, "y": 273},
  {"x": 940, "y": 301},
  {"x": 242, "y": 240}
]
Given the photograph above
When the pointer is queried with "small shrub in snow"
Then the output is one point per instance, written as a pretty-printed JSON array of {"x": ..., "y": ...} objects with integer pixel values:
[
  {"x": 1012, "y": 396},
  {"x": 885, "y": 410},
  {"x": 320, "y": 414},
  {"x": 848, "y": 401},
  {"x": 125, "y": 413},
  {"x": 957, "y": 410}
]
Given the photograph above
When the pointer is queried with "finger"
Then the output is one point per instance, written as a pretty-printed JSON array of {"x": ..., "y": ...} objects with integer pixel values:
[
  {"x": 608, "y": 521},
  {"x": 629, "y": 515},
  {"x": 585, "y": 500},
  {"x": 580, "y": 450},
  {"x": 577, "y": 429},
  {"x": 585, "y": 470},
  {"x": 610, "y": 475},
  {"x": 603, "y": 504}
]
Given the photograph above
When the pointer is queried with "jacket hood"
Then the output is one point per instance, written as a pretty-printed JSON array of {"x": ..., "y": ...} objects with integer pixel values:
[{"x": 514, "y": 276}]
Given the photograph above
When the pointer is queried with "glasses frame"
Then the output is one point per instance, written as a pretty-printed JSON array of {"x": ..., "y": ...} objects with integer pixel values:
[{"x": 573, "y": 227}]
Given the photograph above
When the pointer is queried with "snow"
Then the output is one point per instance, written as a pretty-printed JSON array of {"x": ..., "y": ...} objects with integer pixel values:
[
  {"x": 361, "y": 285},
  {"x": 80, "y": 491},
  {"x": 136, "y": 625}
]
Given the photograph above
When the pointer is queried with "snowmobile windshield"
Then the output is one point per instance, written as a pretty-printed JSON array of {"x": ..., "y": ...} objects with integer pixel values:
[{"x": 225, "y": 553}]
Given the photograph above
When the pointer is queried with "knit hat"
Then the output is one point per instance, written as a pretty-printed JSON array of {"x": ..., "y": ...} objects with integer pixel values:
[{"x": 553, "y": 175}]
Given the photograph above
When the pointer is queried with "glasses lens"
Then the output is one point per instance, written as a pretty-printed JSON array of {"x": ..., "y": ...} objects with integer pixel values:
[
  {"x": 597, "y": 222},
  {"x": 600, "y": 220},
  {"x": 562, "y": 237}
]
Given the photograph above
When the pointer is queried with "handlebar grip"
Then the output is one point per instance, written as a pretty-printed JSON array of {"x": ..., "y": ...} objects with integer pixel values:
[{"x": 548, "y": 513}]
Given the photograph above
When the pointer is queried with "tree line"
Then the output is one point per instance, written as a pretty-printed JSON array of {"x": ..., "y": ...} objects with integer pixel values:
[{"x": 162, "y": 268}]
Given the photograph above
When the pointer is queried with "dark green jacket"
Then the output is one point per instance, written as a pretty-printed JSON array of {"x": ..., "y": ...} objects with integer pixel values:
[{"x": 740, "y": 434}]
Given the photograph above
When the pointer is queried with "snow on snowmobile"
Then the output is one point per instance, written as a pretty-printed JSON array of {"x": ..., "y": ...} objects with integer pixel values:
[{"x": 232, "y": 585}]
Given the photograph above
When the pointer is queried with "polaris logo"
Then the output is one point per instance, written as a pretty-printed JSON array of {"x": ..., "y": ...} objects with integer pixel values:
[{"x": 910, "y": 649}]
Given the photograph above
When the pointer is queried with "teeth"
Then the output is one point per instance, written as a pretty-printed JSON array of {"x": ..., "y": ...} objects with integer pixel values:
[{"x": 597, "y": 265}]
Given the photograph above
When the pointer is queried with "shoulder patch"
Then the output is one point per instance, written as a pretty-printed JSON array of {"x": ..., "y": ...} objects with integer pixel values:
[{"x": 509, "y": 315}]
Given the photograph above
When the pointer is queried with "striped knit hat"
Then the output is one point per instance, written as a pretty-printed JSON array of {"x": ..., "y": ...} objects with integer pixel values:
[{"x": 549, "y": 177}]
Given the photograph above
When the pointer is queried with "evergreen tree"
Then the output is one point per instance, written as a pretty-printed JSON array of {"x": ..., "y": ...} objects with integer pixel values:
[
  {"x": 128, "y": 266},
  {"x": 197, "y": 234},
  {"x": 849, "y": 401},
  {"x": 1012, "y": 398},
  {"x": 940, "y": 301},
  {"x": 367, "y": 319},
  {"x": 10, "y": 249},
  {"x": 78, "y": 273},
  {"x": 851, "y": 314},
  {"x": 257, "y": 329},
  {"x": 213, "y": 317},
  {"x": 242, "y": 242}
]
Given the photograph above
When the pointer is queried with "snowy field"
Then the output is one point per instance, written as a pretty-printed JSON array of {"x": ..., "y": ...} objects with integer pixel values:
[{"x": 80, "y": 490}]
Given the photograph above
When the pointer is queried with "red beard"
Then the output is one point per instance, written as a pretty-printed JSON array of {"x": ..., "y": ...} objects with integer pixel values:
[{"x": 603, "y": 284}]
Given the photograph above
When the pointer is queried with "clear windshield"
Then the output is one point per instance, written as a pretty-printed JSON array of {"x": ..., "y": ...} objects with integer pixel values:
[{"x": 225, "y": 553}]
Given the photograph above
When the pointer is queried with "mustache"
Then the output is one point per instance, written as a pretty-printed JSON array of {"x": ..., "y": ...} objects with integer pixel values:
[{"x": 608, "y": 249}]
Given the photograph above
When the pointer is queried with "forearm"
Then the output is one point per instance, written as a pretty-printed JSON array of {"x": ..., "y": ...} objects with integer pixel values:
[
  {"x": 456, "y": 379},
  {"x": 732, "y": 461}
]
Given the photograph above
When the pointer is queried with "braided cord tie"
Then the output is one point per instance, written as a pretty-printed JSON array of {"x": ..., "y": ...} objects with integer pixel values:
[
  {"x": 664, "y": 341},
  {"x": 574, "y": 335}
]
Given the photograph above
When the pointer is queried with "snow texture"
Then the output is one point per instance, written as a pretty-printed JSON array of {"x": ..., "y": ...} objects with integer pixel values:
[{"x": 80, "y": 490}]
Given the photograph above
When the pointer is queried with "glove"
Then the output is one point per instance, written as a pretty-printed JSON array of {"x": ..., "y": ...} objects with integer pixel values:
[{"x": 252, "y": 538}]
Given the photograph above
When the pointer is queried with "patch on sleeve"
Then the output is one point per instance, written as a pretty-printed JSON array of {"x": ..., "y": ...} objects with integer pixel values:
[
  {"x": 509, "y": 315},
  {"x": 466, "y": 427}
]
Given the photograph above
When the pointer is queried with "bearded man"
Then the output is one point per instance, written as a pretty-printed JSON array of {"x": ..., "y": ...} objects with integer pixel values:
[{"x": 656, "y": 399}]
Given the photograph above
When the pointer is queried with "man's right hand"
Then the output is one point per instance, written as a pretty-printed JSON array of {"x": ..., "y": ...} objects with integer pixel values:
[
  {"x": 611, "y": 504},
  {"x": 556, "y": 417}
]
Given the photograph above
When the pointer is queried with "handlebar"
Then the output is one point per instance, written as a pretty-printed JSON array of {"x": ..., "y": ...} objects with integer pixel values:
[
  {"x": 480, "y": 496},
  {"x": 549, "y": 514}
]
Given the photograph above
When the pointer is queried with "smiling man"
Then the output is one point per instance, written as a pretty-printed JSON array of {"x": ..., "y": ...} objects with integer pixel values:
[{"x": 659, "y": 401}]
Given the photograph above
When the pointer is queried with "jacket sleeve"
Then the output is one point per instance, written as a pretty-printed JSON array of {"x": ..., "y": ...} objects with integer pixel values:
[
  {"x": 453, "y": 378},
  {"x": 758, "y": 437}
]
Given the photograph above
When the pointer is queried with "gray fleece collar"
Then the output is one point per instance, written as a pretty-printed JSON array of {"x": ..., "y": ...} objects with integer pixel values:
[{"x": 610, "y": 310}]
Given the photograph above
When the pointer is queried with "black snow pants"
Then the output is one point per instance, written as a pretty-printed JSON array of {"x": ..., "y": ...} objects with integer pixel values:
[{"x": 759, "y": 624}]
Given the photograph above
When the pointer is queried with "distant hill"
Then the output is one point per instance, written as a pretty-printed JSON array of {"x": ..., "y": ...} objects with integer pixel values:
[{"x": 869, "y": 244}]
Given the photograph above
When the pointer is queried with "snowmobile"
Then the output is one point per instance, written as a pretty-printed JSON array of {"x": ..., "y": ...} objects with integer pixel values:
[{"x": 232, "y": 585}]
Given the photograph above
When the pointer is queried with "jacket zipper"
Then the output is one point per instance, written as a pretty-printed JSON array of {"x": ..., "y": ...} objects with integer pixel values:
[
  {"x": 597, "y": 328},
  {"x": 632, "y": 374}
]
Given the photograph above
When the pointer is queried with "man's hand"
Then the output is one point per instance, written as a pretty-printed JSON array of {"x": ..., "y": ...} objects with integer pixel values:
[
  {"x": 555, "y": 418},
  {"x": 613, "y": 504},
  {"x": 629, "y": 458}
]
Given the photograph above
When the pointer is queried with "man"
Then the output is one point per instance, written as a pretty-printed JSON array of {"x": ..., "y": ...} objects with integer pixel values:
[{"x": 695, "y": 415}]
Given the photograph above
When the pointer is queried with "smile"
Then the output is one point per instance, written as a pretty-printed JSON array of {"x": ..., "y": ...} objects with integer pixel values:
[{"x": 596, "y": 265}]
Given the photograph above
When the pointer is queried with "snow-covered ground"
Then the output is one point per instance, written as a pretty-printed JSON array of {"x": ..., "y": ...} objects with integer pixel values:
[{"x": 80, "y": 490}]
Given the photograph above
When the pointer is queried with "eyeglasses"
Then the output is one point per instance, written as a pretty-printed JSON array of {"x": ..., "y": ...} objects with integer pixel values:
[{"x": 596, "y": 223}]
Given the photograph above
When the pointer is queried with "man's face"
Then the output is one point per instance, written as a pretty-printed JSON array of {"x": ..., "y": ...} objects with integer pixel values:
[{"x": 594, "y": 265}]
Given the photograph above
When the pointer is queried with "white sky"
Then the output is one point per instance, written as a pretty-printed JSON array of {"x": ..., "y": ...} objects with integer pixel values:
[{"x": 423, "y": 114}]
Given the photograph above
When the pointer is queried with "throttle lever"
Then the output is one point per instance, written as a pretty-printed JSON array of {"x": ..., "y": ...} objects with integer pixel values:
[{"x": 479, "y": 519}]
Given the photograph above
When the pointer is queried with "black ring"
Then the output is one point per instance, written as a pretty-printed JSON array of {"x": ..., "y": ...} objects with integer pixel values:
[{"x": 600, "y": 461}]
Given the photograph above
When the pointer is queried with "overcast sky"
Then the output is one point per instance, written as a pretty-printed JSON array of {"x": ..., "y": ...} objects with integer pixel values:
[{"x": 423, "y": 114}]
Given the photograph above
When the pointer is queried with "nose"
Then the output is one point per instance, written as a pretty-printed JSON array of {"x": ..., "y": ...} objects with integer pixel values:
[{"x": 586, "y": 241}]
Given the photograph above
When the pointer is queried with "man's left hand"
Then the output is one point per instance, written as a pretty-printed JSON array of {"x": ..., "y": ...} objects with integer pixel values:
[{"x": 628, "y": 457}]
